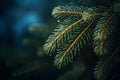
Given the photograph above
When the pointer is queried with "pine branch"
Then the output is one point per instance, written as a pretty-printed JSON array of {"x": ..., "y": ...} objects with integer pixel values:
[
  {"x": 62, "y": 30},
  {"x": 63, "y": 11},
  {"x": 72, "y": 35},
  {"x": 103, "y": 33},
  {"x": 65, "y": 53},
  {"x": 71, "y": 46},
  {"x": 76, "y": 28},
  {"x": 106, "y": 64}
]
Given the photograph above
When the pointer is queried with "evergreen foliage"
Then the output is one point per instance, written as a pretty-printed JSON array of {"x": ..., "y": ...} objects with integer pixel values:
[{"x": 80, "y": 24}]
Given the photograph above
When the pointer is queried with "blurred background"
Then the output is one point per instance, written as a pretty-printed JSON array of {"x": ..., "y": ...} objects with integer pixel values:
[{"x": 24, "y": 26}]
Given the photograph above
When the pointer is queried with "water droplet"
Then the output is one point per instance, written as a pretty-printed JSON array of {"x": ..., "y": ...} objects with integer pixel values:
[{"x": 58, "y": 20}]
